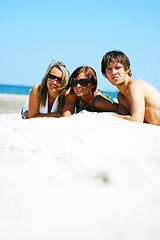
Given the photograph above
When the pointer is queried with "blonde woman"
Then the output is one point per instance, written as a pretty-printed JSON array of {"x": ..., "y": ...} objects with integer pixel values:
[{"x": 47, "y": 99}]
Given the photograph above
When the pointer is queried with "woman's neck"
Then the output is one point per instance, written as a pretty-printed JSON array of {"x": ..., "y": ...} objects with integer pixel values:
[
  {"x": 88, "y": 98},
  {"x": 53, "y": 94}
]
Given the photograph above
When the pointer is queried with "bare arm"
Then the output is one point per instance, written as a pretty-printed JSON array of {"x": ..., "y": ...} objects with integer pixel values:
[
  {"x": 135, "y": 97},
  {"x": 54, "y": 114},
  {"x": 33, "y": 102},
  {"x": 123, "y": 104},
  {"x": 34, "y": 106},
  {"x": 104, "y": 105},
  {"x": 70, "y": 104}
]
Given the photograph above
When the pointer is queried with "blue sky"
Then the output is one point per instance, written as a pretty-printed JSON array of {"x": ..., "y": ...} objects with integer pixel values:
[{"x": 33, "y": 32}]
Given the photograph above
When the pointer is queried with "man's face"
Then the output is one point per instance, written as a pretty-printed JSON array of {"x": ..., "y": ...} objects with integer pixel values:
[{"x": 116, "y": 73}]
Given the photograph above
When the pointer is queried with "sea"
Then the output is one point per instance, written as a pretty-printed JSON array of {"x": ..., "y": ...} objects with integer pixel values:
[{"x": 25, "y": 90}]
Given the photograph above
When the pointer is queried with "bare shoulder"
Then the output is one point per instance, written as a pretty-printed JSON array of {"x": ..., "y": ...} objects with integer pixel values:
[
  {"x": 35, "y": 87},
  {"x": 140, "y": 87},
  {"x": 137, "y": 84},
  {"x": 142, "y": 84},
  {"x": 34, "y": 90},
  {"x": 67, "y": 92},
  {"x": 70, "y": 94}
]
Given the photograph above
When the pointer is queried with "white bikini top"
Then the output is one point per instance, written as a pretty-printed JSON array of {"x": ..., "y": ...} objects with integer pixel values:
[{"x": 45, "y": 109}]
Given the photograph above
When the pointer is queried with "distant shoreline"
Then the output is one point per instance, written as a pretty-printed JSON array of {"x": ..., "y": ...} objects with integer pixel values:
[
  {"x": 15, "y": 89},
  {"x": 25, "y": 90}
]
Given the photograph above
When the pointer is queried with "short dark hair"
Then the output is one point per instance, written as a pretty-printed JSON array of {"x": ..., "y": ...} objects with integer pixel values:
[
  {"x": 89, "y": 73},
  {"x": 117, "y": 56}
]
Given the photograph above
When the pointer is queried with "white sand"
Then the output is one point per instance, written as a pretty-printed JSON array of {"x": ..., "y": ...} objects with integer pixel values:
[
  {"x": 11, "y": 103},
  {"x": 91, "y": 176}
]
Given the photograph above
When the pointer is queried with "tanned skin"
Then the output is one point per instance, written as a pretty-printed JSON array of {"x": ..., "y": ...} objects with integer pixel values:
[{"x": 138, "y": 100}]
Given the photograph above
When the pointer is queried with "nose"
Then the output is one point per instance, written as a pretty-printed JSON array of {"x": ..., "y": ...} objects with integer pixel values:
[
  {"x": 114, "y": 70},
  {"x": 54, "y": 80},
  {"x": 78, "y": 85}
]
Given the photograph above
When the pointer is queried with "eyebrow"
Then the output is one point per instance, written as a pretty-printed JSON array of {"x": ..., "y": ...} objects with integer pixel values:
[{"x": 109, "y": 67}]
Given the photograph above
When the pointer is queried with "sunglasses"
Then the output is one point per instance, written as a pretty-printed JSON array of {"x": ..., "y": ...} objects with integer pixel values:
[
  {"x": 83, "y": 82},
  {"x": 54, "y": 77}
]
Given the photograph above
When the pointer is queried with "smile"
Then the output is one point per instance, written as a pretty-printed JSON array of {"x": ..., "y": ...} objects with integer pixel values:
[
  {"x": 78, "y": 91},
  {"x": 53, "y": 86}
]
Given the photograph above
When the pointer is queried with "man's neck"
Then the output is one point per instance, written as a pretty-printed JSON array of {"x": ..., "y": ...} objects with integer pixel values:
[{"x": 124, "y": 86}]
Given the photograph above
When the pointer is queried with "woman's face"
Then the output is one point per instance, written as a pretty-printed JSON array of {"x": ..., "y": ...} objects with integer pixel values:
[
  {"x": 54, "y": 79},
  {"x": 84, "y": 89}
]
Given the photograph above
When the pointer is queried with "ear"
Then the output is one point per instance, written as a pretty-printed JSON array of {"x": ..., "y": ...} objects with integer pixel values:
[{"x": 128, "y": 70}]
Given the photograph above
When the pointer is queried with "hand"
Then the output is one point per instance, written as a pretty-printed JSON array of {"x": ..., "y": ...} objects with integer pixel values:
[{"x": 25, "y": 114}]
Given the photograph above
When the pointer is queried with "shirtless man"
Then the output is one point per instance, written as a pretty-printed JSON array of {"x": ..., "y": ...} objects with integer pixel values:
[{"x": 138, "y": 100}]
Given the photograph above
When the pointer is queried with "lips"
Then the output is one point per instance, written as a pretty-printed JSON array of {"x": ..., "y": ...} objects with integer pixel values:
[
  {"x": 53, "y": 86},
  {"x": 79, "y": 92},
  {"x": 115, "y": 77}
]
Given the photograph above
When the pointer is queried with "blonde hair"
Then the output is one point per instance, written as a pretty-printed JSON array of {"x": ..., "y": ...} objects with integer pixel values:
[{"x": 43, "y": 90}]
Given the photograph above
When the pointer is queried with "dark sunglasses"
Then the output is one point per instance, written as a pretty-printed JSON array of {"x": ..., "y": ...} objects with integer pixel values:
[
  {"x": 54, "y": 77},
  {"x": 83, "y": 82}
]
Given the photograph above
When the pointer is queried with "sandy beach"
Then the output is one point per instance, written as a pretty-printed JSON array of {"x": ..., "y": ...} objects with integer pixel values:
[
  {"x": 91, "y": 176},
  {"x": 11, "y": 103}
]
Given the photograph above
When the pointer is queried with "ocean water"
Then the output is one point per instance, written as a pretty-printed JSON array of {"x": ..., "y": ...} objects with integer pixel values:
[
  {"x": 25, "y": 90},
  {"x": 15, "y": 89}
]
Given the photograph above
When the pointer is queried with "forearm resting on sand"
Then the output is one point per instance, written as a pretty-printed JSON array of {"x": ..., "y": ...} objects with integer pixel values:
[
  {"x": 54, "y": 114},
  {"x": 128, "y": 117}
]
